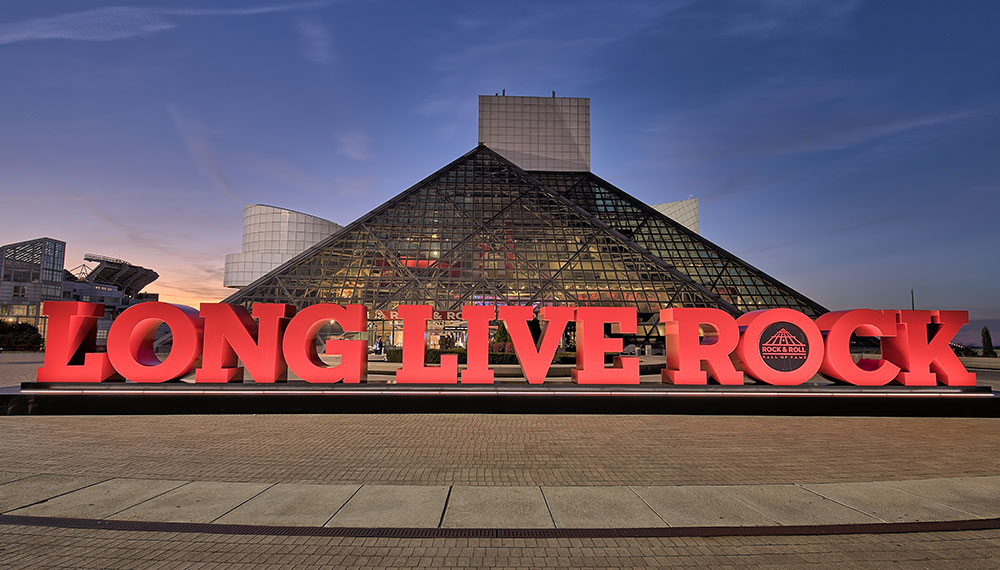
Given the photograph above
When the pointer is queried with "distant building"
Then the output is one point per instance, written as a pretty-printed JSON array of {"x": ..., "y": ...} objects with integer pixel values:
[
  {"x": 272, "y": 236},
  {"x": 114, "y": 282},
  {"x": 684, "y": 212},
  {"x": 31, "y": 272}
]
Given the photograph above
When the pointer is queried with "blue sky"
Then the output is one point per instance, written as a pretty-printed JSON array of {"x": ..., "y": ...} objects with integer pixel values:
[{"x": 851, "y": 149}]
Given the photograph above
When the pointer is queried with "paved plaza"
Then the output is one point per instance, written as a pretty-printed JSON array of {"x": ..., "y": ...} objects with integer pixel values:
[{"x": 456, "y": 471}]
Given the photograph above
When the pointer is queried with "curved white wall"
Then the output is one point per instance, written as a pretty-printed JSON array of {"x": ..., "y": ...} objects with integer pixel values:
[{"x": 272, "y": 236}]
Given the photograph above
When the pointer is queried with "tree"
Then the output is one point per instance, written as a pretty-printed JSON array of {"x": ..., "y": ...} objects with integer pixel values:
[
  {"x": 988, "y": 344},
  {"x": 19, "y": 336},
  {"x": 501, "y": 336}
]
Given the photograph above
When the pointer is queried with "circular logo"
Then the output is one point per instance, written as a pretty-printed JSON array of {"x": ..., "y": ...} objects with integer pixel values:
[{"x": 783, "y": 346}]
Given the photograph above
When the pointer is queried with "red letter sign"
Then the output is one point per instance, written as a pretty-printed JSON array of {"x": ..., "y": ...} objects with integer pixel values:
[
  {"x": 838, "y": 326},
  {"x": 413, "y": 370},
  {"x": 686, "y": 351},
  {"x": 477, "y": 344},
  {"x": 232, "y": 335},
  {"x": 535, "y": 362},
  {"x": 130, "y": 342},
  {"x": 70, "y": 343},
  {"x": 925, "y": 360},
  {"x": 780, "y": 346},
  {"x": 592, "y": 345},
  {"x": 299, "y": 344}
]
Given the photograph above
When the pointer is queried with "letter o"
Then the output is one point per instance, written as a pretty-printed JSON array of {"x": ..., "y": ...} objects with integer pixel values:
[
  {"x": 753, "y": 325},
  {"x": 130, "y": 342}
]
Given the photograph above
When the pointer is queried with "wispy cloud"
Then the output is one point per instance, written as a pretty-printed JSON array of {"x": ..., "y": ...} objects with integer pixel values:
[
  {"x": 122, "y": 22},
  {"x": 99, "y": 25},
  {"x": 248, "y": 11},
  {"x": 790, "y": 116},
  {"x": 354, "y": 145},
  {"x": 195, "y": 137},
  {"x": 146, "y": 239},
  {"x": 190, "y": 273},
  {"x": 570, "y": 40},
  {"x": 314, "y": 40},
  {"x": 767, "y": 18}
]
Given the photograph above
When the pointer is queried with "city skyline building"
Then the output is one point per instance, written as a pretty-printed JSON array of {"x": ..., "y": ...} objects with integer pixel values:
[{"x": 32, "y": 272}]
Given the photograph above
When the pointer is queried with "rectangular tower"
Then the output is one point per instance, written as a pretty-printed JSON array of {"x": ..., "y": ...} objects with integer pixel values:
[{"x": 537, "y": 133}]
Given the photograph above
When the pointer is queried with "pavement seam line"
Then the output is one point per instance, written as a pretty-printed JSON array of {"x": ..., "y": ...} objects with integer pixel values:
[
  {"x": 23, "y": 477},
  {"x": 341, "y": 507},
  {"x": 547, "y": 507},
  {"x": 147, "y": 499},
  {"x": 822, "y": 496},
  {"x": 47, "y": 499},
  {"x": 444, "y": 510},
  {"x": 650, "y": 507},
  {"x": 926, "y": 498},
  {"x": 733, "y": 497},
  {"x": 255, "y": 495}
]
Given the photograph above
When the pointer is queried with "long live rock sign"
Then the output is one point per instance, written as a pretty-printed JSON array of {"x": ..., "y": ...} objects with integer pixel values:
[{"x": 221, "y": 335}]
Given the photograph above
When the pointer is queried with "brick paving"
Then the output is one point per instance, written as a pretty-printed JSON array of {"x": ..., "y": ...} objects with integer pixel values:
[
  {"x": 34, "y": 547},
  {"x": 17, "y": 367},
  {"x": 471, "y": 449},
  {"x": 494, "y": 450}
]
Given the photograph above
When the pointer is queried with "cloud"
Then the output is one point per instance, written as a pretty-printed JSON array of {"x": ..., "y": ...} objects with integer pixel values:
[
  {"x": 249, "y": 11},
  {"x": 354, "y": 144},
  {"x": 768, "y": 18},
  {"x": 190, "y": 271},
  {"x": 314, "y": 41},
  {"x": 570, "y": 40},
  {"x": 122, "y": 22},
  {"x": 136, "y": 236},
  {"x": 100, "y": 25},
  {"x": 782, "y": 117},
  {"x": 202, "y": 153}
]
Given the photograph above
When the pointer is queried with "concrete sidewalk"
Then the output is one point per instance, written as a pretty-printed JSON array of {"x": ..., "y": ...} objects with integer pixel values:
[{"x": 456, "y": 506}]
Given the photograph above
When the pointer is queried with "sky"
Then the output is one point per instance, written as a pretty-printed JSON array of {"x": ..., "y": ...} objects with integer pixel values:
[{"x": 851, "y": 149}]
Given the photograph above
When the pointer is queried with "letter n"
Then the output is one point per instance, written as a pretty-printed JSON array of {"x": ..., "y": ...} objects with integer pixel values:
[{"x": 231, "y": 335}]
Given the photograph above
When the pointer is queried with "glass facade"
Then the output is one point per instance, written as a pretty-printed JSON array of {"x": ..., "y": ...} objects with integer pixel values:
[
  {"x": 727, "y": 276},
  {"x": 31, "y": 273},
  {"x": 684, "y": 212},
  {"x": 537, "y": 133},
  {"x": 272, "y": 236},
  {"x": 483, "y": 231}
]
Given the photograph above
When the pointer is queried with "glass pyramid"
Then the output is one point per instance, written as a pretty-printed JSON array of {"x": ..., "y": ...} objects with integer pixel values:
[{"x": 483, "y": 231}]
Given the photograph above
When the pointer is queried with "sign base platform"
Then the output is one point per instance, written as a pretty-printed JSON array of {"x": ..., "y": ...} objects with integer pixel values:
[{"x": 35, "y": 398}]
